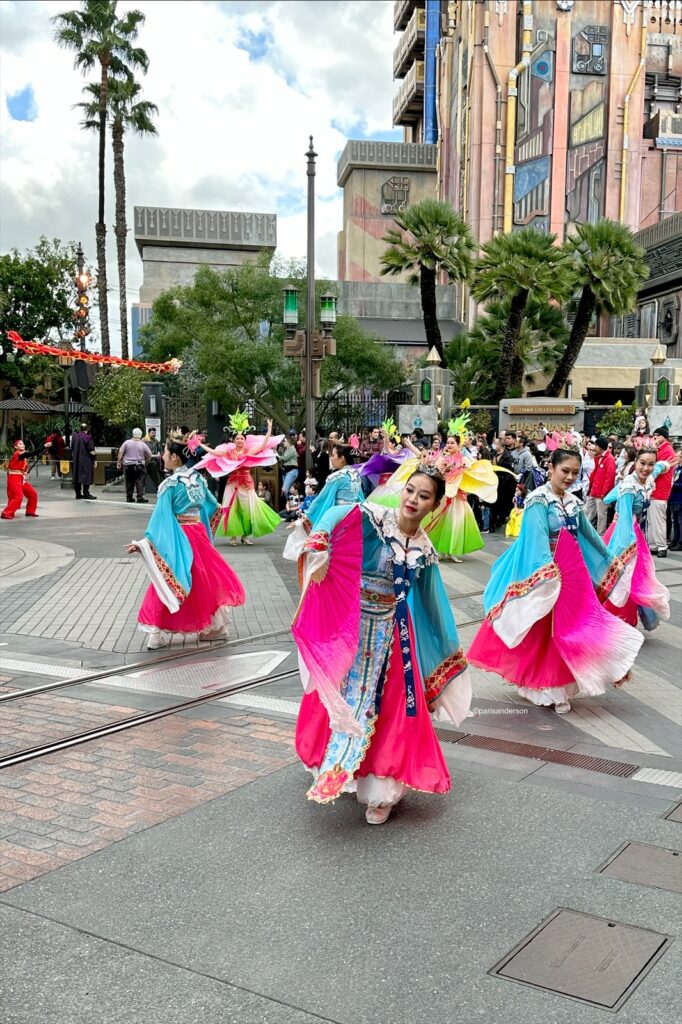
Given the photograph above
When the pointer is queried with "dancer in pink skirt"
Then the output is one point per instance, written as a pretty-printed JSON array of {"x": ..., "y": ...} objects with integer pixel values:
[
  {"x": 192, "y": 588},
  {"x": 546, "y": 630},
  {"x": 378, "y": 653}
]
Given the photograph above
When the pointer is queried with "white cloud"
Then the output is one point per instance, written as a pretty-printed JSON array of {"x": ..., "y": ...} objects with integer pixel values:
[{"x": 233, "y": 125}]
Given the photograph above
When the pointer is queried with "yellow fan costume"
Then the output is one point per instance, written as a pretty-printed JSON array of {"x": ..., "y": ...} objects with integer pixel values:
[{"x": 452, "y": 527}]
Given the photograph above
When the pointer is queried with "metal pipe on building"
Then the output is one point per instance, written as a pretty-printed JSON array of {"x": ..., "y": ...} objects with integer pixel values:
[
  {"x": 664, "y": 182},
  {"x": 430, "y": 44},
  {"x": 498, "y": 118},
  {"x": 512, "y": 93},
  {"x": 626, "y": 120}
]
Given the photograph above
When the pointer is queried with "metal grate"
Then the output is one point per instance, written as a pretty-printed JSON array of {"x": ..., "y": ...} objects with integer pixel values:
[
  {"x": 593, "y": 764},
  {"x": 675, "y": 813},
  {"x": 643, "y": 864},
  {"x": 585, "y": 958}
]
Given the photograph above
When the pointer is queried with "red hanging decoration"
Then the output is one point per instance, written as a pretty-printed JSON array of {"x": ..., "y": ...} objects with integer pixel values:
[{"x": 36, "y": 348}]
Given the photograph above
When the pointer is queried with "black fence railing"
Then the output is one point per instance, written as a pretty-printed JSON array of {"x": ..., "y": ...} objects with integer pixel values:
[{"x": 353, "y": 411}]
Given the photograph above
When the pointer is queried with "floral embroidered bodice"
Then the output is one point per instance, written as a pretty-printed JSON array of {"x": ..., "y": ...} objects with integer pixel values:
[
  {"x": 186, "y": 491},
  {"x": 350, "y": 486},
  {"x": 562, "y": 513}
]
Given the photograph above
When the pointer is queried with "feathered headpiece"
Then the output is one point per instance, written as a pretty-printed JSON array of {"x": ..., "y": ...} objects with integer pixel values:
[
  {"x": 557, "y": 440},
  {"x": 390, "y": 429},
  {"x": 644, "y": 444},
  {"x": 459, "y": 426},
  {"x": 239, "y": 422}
]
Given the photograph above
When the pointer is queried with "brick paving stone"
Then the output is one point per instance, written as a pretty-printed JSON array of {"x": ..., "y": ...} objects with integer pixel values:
[{"x": 73, "y": 803}]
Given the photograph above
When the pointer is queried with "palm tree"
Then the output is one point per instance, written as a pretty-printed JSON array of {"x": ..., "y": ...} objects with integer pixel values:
[
  {"x": 474, "y": 358},
  {"x": 98, "y": 37},
  {"x": 126, "y": 111},
  {"x": 609, "y": 269},
  {"x": 429, "y": 239},
  {"x": 516, "y": 267}
]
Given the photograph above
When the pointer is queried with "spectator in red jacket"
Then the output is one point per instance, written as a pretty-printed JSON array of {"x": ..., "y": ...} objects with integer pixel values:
[
  {"x": 602, "y": 479},
  {"x": 656, "y": 520}
]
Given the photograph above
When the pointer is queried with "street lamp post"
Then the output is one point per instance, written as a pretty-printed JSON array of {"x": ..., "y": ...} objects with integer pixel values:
[
  {"x": 310, "y": 346},
  {"x": 310, "y": 315}
]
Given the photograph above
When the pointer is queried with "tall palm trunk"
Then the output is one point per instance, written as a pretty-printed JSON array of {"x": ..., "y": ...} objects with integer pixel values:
[
  {"x": 121, "y": 227},
  {"x": 512, "y": 333},
  {"x": 516, "y": 378},
  {"x": 100, "y": 227},
  {"x": 581, "y": 325},
  {"x": 427, "y": 290}
]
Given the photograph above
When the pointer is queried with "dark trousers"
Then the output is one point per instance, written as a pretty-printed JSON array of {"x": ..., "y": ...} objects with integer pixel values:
[
  {"x": 78, "y": 487},
  {"x": 135, "y": 478},
  {"x": 675, "y": 523}
]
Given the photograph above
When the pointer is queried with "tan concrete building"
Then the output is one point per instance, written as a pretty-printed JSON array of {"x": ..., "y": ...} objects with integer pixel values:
[
  {"x": 379, "y": 180},
  {"x": 174, "y": 243}
]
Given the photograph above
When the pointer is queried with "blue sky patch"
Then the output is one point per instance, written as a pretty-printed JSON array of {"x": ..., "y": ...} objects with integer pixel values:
[
  {"x": 22, "y": 105},
  {"x": 256, "y": 44}
]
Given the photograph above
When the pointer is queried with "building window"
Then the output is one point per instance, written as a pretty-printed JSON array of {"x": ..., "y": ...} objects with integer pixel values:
[{"x": 647, "y": 320}]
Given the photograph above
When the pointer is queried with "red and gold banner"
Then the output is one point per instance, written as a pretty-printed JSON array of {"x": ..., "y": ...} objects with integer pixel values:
[{"x": 36, "y": 348}]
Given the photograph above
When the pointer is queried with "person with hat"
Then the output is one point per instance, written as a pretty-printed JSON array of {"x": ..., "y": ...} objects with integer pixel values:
[
  {"x": 83, "y": 462},
  {"x": 602, "y": 479},
  {"x": 656, "y": 521},
  {"x": 18, "y": 486}
]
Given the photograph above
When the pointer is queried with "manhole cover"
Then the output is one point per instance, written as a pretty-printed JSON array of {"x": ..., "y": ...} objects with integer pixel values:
[
  {"x": 583, "y": 957},
  {"x": 645, "y": 865},
  {"x": 675, "y": 814}
]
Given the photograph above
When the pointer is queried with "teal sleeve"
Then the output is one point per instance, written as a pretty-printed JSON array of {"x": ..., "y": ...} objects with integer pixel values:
[
  {"x": 439, "y": 651},
  {"x": 168, "y": 540},
  {"x": 209, "y": 512},
  {"x": 527, "y": 555},
  {"x": 624, "y": 531},
  {"x": 597, "y": 556}
]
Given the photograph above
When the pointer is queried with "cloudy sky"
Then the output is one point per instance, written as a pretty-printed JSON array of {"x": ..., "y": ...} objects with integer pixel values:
[{"x": 239, "y": 85}]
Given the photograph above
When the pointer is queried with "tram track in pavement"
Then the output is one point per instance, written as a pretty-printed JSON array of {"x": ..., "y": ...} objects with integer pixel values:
[{"x": 77, "y": 739}]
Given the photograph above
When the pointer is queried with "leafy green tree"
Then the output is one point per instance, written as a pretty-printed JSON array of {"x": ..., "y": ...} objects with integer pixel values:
[
  {"x": 37, "y": 299},
  {"x": 100, "y": 38},
  {"x": 619, "y": 420},
  {"x": 516, "y": 268},
  {"x": 118, "y": 396},
  {"x": 609, "y": 269},
  {"x": 229, "y": 324},
  {"x": 474, "y": 358},
  {"x": 127, "y": 112},
  {"x": 430, "y": 239}
]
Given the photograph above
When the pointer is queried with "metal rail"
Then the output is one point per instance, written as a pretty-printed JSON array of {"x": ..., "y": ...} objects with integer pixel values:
[
  {"x": 76, "y": 739},
  {"x": 31, "y": 691}
]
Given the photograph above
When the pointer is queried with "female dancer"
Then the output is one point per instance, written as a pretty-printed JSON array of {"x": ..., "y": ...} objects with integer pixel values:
[
  {"x": 18, "y": 486},
  {"x": 545, "y": 631},
  {"x": 646, "y": 598},
  {"x": 192, "y": 588},
  {"x": 244, "y": 514},
  {"x": 452, "y": 527},
  {"x": 380, "y": 467},
  {"x": 378, "y": 651},
  {"x": 343, "y": 487}
]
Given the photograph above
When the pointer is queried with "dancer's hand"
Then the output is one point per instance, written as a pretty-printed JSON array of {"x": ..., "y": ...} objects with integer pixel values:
[{"x": 131, "y": 548}]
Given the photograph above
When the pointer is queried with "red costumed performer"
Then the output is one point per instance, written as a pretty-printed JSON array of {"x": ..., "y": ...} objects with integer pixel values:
[{"x": 18, "y": 486}]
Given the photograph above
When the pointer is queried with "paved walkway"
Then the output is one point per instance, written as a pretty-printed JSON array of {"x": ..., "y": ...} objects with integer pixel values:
[{"x": 176, "y": 873}]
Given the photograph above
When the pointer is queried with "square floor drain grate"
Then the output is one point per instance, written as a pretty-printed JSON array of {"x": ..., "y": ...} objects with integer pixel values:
[
  {"x": 586, "y": 958},
  {"x": 675, "y": 814},
  {"x": 642, "y": 864}
]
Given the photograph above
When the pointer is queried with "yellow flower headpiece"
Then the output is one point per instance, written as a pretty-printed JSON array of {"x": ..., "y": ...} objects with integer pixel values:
[{"x": 239, "y": 422}]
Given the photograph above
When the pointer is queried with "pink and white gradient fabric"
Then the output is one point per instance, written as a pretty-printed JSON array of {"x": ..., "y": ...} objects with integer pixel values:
[{"x": 254, "y": 452}]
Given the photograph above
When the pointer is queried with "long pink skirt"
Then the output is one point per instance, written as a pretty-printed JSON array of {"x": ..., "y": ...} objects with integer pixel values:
[
  {"x": 535, "y": 663},
  {"x": 402, "y": 748},
  {"x": 647, "y": 594},
  {"x": 215, "y": 588}
]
